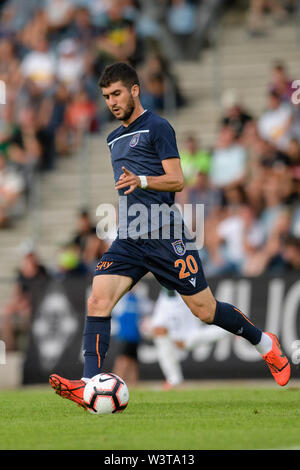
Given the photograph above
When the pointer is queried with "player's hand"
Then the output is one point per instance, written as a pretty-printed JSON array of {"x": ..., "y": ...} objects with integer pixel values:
[{"x": 126, "y": 179}]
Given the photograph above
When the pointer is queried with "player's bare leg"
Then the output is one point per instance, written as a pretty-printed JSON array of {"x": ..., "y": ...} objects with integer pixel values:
[
  {"x": 204, "y": 306},
  {"x": 106, "y": 291}
]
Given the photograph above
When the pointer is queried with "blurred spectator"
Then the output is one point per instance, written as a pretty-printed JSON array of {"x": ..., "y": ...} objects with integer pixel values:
[
  {"x": 31, "y": 144},
  {"x": 229, "y": 159},
  {"x": 291, "y": 255},
  {"x": 154, "y": 90},
  {"x": 34, "y": 30},
  {"x": 10, "y": 66},
  {"x": 293, "y": 154},
  {"x": 7, "y": 126},
  {"x": 70, "y": 64},
  {"x": 295, "y": 127},
  {"x": 24, "y": 148},
  {"x": 274, "y": 206},
  {"x": 98, "y": 10},
  {"x": 59, "y": 14},
  {"x": 57, "y": 106},
  {"x": 80, "y": 116},
  {"x": 15, "y": 318},
  {"x": 182, "y": 24},
  {"x": 11, "y": 189},
  {"x": 295, "y": 209},
  {"x": 7, "y": 20},
  {"x": 69, "y": 263},
  {"x": 202, "y": 192},
  {"x": 274, "y": 220},
  {"x": 148, "y": 24},
  {"x": 159, "y": 88},
  {"x": 237, "y": 237},
  {"x": 81, "y": 112},
  {"x": 39, "y": 65},
  {"x": 274, "y": 125},
  {"x": 280, "y": 82},
  {"x": 117, "y": 40},
  {"x": 193, "y": 160},
  {"x": 256, "y": 14},
  {"x": 271, "y": 157},
  {"x": 81, "y": 27},
  {"x": 90, "y": 247},
  {"x": 17, "y": 14},
  {"x": 234, "y": 114}
]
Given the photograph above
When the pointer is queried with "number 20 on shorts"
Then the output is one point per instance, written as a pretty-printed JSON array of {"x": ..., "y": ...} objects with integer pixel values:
[{"x": 187, "y": 266}]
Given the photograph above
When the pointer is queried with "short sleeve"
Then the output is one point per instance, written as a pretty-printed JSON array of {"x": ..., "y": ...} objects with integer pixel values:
[{"x": 163, "y": 139}]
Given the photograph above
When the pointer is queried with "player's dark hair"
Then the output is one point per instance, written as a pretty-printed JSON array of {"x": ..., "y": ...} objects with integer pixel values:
[{"x": 119, "y": 71}]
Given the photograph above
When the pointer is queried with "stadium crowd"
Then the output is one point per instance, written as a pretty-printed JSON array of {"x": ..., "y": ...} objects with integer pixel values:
[
  {"x": 52, "y": 53},
  {"x": 249, "y": 184}
]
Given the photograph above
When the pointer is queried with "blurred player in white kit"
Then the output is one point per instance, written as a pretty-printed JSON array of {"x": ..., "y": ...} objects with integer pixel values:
[{"x": 174, "y": 330}]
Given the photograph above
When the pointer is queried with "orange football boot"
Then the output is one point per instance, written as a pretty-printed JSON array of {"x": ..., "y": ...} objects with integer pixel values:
[
  {"x": 71, "y": 389},
  {"x": 167, "y": 386},
  {"x": 278, "y": 362}
]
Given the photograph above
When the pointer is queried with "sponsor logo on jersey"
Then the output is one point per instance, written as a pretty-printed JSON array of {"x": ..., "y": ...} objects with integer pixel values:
[
  {"x": 135, "y": 139},
  {"x": 193, "y": 281},
  {"x": 104, "y": 265},
  {"x": 179, "y": 247}
]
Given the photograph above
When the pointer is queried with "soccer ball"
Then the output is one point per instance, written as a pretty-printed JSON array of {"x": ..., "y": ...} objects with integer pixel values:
[{"x": 105, "y": 394}]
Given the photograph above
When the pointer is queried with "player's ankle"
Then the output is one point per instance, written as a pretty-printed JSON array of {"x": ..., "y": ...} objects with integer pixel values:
[{"x": 265, "y": 344}]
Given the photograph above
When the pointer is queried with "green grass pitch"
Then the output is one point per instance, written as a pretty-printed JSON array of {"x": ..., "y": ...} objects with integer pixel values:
[{"x": 191, "y": 419}]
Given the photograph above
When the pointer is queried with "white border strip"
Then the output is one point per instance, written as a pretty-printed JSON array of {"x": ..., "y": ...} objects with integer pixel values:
[{"x": 126, "y": 135}]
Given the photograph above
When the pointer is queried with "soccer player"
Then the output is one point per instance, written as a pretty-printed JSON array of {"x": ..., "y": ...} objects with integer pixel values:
[
  {"x": 175, "y": 330},
  {"x": 147, "y": 174}
]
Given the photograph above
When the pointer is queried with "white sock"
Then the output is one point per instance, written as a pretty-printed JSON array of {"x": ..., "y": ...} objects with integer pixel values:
[
  {"x": 85, "y": 379},
  {"x": 168, "y": 359},
  {"x": 265, "y": 344}
]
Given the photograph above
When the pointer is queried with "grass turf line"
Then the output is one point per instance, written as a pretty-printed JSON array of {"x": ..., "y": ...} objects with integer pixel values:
[{"x": 193, "y": 419}]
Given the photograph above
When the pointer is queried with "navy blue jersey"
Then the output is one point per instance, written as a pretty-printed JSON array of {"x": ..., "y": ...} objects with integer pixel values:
[{"x": 140, "y": 148}]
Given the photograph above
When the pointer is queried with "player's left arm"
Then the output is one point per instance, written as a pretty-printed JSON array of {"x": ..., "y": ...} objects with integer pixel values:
[{"x": 172, "y": 180}]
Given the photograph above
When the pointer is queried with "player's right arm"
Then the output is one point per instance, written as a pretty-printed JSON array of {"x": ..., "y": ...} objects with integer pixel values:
[{"x": 172, "y": 180}]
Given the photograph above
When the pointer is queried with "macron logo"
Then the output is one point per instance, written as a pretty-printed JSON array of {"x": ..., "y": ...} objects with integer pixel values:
[{"x": 193, "y": 281}]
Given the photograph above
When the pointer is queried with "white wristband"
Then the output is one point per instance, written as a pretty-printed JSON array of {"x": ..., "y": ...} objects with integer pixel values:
[{"x": 144, "y": 183}]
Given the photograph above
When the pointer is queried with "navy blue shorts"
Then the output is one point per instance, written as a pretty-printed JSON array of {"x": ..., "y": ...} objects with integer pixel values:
[{"x": 175, "y": 267}]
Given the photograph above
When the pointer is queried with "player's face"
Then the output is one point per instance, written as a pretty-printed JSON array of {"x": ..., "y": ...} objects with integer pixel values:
[{"x": 120, "y": 100}]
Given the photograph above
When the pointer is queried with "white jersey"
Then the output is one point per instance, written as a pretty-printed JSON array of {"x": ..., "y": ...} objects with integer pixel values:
[{"x": 171, "y": 312}]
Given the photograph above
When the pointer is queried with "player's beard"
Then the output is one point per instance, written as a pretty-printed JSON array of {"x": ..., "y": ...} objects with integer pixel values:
[{"x": 127, "y": 111}]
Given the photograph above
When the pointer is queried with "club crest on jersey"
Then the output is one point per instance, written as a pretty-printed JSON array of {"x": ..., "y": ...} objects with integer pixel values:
[
  {"x": 179, "y": 247},
  {"x": 135, "y": 139}
]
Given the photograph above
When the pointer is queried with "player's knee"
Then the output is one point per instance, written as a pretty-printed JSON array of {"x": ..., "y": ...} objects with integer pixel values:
[
  {"x": 202, "y": 305},
  {"x": 98, "y": 306},
  {"x": 204, "y": 311}
]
